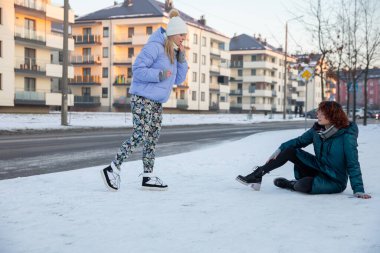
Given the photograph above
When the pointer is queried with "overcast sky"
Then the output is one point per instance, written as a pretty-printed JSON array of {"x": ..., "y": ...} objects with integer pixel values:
[{"x": 266, "y": 17}]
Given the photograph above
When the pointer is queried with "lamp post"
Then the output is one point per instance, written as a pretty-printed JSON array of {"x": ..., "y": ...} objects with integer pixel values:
[
  {"x": 65, "y": 63},
  {"x": 286, "y": 63}
]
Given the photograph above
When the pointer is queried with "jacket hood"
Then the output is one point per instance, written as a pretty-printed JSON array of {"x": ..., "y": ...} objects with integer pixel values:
[{"x": 158, "y": 36}]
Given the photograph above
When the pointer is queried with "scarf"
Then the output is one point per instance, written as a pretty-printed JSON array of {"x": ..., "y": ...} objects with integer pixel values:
[{"x": 325, "y": 134}]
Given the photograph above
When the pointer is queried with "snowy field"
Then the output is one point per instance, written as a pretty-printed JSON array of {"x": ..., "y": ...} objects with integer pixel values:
[
  {"x": 204, "y": 210},
  {"x": 13, "y": 122}
]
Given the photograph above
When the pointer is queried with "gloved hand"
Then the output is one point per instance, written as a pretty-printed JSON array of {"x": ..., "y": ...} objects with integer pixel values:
[
  {"x": 274, "y": 155},
  {"x": 165, "y": 74},
  {"x": 362, "y": 195}
]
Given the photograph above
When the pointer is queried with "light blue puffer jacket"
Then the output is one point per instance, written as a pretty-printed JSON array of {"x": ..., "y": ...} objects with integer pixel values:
[{"x": 146, "y": 69}]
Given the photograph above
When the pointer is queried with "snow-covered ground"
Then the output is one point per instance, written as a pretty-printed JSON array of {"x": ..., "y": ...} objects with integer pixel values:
[
  {"x": 204, "y": 210},
  {"x": 13, "y": 122}
]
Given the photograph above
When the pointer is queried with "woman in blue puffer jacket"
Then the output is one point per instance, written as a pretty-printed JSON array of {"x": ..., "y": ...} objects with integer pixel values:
[
  {"x": 160, "y": 64},
  {"x": 336, "y": 157}
]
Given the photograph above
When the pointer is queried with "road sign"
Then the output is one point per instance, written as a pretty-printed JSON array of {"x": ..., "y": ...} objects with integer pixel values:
[{"x": 306, "y": 74}]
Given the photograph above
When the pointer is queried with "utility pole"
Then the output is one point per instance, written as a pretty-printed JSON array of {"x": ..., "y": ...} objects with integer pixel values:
[
  {"x": 65, "y": 63},
  {"x": 286, "y": 63},
  {"x": 285, "y": 70}
]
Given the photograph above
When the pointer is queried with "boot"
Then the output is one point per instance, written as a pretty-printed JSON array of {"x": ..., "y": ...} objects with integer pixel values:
[
  {"x": 253, "y": 180},
  {"x": 151, "y": 182},
  {"x": 111, "y": 177},
  {"x": 284, "y": 183}
]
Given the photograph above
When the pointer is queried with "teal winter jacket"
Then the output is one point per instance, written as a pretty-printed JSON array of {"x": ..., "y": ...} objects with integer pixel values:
[{"x": 336, "y": 159}]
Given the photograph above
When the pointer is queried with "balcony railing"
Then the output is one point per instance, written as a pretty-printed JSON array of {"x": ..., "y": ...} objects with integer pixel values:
[
  {"x": 28, "y": 34},
  {"x": 85, "y": 80},
  {"x": 30, "y": 65},
  {"x": 182, "y": 104},
  {"x": 85, "y": 59},
  {"x": 87, "y": 100},
  {"x": 32, "y": 4},
  {"x": 29, "y": 97},
  {"x": 236, "y": 92},
  {"x": 87, "y": 39},
  {"x": 122, "y": 80}
]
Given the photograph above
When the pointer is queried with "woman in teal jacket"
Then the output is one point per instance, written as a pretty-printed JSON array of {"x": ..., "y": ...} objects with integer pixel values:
[
  {"x": 160, "y": 64},
  {"x": 336, "y": 157}
]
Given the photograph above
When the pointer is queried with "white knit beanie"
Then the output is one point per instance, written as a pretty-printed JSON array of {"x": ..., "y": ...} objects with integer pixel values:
[{"x": 176, "y": 25}]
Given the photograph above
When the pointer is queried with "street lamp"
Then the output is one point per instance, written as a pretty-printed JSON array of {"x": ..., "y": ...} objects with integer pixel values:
[{"x": 286, "y": 62}]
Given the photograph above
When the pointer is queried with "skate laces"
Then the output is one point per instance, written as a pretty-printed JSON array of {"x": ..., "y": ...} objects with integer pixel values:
[{"x": 114, "y": 178}]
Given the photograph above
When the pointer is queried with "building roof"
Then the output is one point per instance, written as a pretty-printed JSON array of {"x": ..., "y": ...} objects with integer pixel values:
[
  {"x": 140, "y": 9},
  {"x": 246, "y": 42}
]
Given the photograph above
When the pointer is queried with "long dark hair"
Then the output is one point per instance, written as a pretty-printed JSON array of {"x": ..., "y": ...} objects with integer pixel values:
[{"x": 334, "y": 113}]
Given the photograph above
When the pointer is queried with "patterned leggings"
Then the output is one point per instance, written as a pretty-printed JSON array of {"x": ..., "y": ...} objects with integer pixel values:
[{"x": 147, "y": 118}]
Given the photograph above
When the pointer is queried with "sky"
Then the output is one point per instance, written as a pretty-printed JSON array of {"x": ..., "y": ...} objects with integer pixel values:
[
  {"x": 204, "y": 210},
  {"x": 231, "y": 17}
]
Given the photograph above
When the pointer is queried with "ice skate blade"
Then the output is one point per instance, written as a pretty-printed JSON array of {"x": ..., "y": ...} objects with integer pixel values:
[
  {"x": 255, "y": 186},
  {"x": 105, "y": 182}
]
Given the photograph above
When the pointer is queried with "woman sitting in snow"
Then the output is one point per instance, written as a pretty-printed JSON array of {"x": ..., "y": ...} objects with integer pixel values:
[{"x": 336, "y": 157}]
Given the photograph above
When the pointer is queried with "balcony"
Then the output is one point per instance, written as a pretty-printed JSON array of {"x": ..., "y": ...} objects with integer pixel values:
[
  {"x": 55, "y": 41},
  {"x": 85, "y": 60},
  {"x": 122, "y": 102},
  {"x": 122, "y": 80},
  {"x": 120, "y": 60},
  {"x": 30, "y": 36},
  {"x": 55, "y": 70},
  {"x": 260, "y": 65},
  {"x": 87, "y": 39},
  {"x": 140, "y": 39},
  {"x": 182, "y": 104},
  {"x": 236, "y": 92},
  {"x": 55, "y": 99},
  {"x": 122, "y": 39},
  {"x": 236, "y": 64},
  {"x": 35, "y": 5},
  {"x": 29, "y": 98},
  {"x": 214, "y": 106},
  {"x": 56, "y": 12},
  {"x": 263, "y": 93},
  {"x": 30, "y": 66},
  {"x": 85, "y": 80},
  {"x": 87, "y": 101}
]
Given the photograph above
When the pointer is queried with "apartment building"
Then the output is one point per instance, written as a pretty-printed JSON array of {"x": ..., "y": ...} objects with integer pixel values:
[
  {"x": 30, "y": 41},
  {"x": 257, "y": 77},
  {"x": 108, "y": 40}
]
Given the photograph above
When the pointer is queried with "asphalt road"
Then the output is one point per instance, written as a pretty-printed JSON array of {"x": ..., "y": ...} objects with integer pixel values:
[{"x": 32, "y": 153}]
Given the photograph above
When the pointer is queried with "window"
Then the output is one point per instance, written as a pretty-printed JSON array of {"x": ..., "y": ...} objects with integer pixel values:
[
  {"x": 86, "y": 72},
  {"x": 131, "y": 32},
  {"x": 204, "y": 41},
  {"x": 252, "y": 88},
  {"x": 203, "y": 96},
  {"x": 182, "y": 94},
  {"x": 253, "y": 72},
  {"x": 86, "y": 52},
  {"x": 239, "y": 100},
  {"x": 29, "y": 58},
  {"x": 194, "y": 76},
  {"x": 194, "y": 95},
  {"x": 1, "y": 81},
  {"x": 203, "y": 59},
  {"x": 87, "y": 31},
  {"x": 86, "y": 91},
  {"x": 104, "y": 92},
  {"x": 29, "y": 84},
  {"x": 131, "y": 52},
  {"x": 253, "y": 58},
  {"x": 195, "y": 39},
  {"x": 195, "y": 58},
  {"x": 1, "y": 16},
  {"x": 240, "y": 72},
  {"x": 149, "y": 30},
  {"x": 1, "y": 48},
  {"x": 129, "y": 75},
  {"x": 105, "y": 72},
  {"x": 203, "y": 79},
  {"x": 106, "y": 32},
  {"x": 223, "y": 99},
  {"x": 105, "y": 52}
]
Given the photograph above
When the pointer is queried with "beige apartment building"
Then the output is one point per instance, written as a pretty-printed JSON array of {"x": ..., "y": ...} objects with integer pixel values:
[
  {"x": 31, "y": 37},
  {"x": 108, "y": 40},
  {"x": 257, "y": 77}
]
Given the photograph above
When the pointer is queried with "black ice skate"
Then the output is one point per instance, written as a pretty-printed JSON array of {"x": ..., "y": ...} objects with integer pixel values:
[
  {"x": 111, "y": 177},
  {"x": 284, "y": 183},
  {"x": 153, "y": 183},
  {"x": 253, "y": 180}
]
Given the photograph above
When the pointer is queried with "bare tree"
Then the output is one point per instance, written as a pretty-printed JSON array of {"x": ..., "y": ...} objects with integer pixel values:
[{"x": 371, "y": 43}]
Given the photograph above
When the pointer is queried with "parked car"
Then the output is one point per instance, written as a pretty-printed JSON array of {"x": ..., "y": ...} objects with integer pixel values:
[
  {"x": 374, "y": 114},
  {"x": 312, "y": 114}
]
